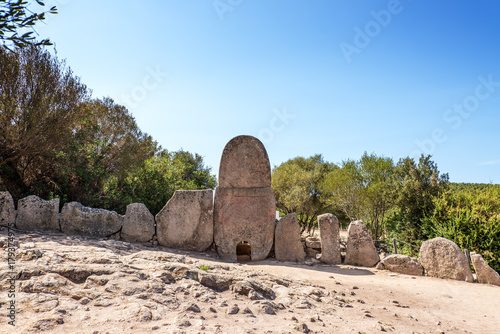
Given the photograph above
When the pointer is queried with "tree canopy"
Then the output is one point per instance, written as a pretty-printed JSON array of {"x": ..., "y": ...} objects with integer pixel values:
[
  {"x": 362, "y": 190},
  {"x": 57, "y": 141},
  {"x": 297, "y": 185}
]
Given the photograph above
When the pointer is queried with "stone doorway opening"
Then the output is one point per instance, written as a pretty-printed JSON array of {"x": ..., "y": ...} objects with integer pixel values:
[{"x": 244, "y": 251}]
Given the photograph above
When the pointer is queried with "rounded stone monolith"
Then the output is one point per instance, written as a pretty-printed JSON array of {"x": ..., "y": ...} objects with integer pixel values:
[
  {"x": 36, "y": 214},
  {"x": 360, "y": 250},
  {"x": 287, "y": 243},
  {"x": 442, "y": 258},
  {"x": 244, "y": 203},
  {"x": 330, "y": 238},
  {"x": 186, "y": 221},
  {"x": 7, "y": 209},
  {"x": 138, "y": 224}
]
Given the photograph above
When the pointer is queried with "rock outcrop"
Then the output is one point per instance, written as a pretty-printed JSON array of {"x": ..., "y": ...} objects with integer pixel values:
[
  {"x": 244, "y": 204},
  {"x": 442, "y": 258},
  {"x": 330, "y": 238},
  {"x": 401, "y": 264},
  {"x": 360, "y": 250},
  {"x": 287, "y": 244},
  {"x": 485, "y": 274},
  {"x": 34, "y": 213},
  {"x": 7, "y": 209},
  {"x": 82, "y": 220},
  {"x": 138, "y": 224},
  {"x": 186, "y": 221}
]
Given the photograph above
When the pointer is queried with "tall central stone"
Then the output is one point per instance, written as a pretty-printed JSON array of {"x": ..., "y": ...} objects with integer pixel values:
[{"x": 244, "y": 204}]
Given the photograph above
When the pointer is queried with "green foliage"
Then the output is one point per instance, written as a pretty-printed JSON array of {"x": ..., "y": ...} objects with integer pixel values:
[
  {"x": 106, "y": 144},
  {"x": 344, "y": 188},
  {"x": 297, "y": 186},
  {"x": 155, "y": 182},
  {"x": 378, "y": 185},
  {"x": 469, "y": 215},
  {"x": 205, "y": 267},
  {"x": 362, "y": 190},
  {"x": 40, "y": 106},
  {"x": 15, "y": 18},
  {"x": 415, "y": 187}
]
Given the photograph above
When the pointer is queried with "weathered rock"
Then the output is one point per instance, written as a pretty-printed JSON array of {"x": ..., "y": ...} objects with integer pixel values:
[
  {"x": 287, "y": 244},
  {"x": 330, "y": 238},
  {"x": 34, "y": 213},
  {"x": 244, "y": 164},
  {"x": 311, "y": 252},
  {"x": 79, "y": 219},
  {"x": 215, "y": 282},
  {"x": 233, "y": 310},
  {"x": 313, "y": 242},
  {"x": 186, "y": 221},
  {"x": 485, "y": 274},
  {"x": 138, "y": 224},
  {"x": 253, "y": 289},
  {"x": 402, "y": 264},
  {"x": 245, "y": 207},
  {"x": 7, "y": 209},
  {"x": 244, "y": 214},
  {"x": 442, "y": 258},
  {"x": 360, "y": 250}
]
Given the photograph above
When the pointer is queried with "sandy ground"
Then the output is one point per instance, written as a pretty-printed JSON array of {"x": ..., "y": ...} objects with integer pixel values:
[{"x": 71, "y": 284}]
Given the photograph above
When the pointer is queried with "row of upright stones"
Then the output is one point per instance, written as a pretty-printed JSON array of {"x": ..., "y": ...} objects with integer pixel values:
[
  {"x": 34, "y": 213},
  {"x": 243, "y": 210}
]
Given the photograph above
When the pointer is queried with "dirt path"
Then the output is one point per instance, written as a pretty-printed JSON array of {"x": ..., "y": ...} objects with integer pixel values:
[{"x": 412, "y": 304}]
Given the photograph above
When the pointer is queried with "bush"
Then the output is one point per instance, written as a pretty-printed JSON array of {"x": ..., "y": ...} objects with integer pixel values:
[{"x": 470, "y": 217}]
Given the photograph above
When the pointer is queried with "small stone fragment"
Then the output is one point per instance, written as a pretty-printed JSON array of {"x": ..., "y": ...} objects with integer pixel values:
[
  {"x": 233, "y": 310},
  {"x": 193, "y": 308}
]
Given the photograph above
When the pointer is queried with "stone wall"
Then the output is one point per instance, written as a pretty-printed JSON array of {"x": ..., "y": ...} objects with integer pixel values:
[{"x": 191, "y": 217}]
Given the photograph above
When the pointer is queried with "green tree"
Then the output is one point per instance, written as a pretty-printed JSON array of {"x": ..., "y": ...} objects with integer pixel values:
[
  {"x": 298, "y": 187},
  {"x": 362, "y": 190},
  {"x": 41, "y": 104},
  {"x": 416, "y": 186},
  {"x": 344, "y": 189},
  {"x": 194, "y": 169},
  {"x": 156, "y": 181},
  {"x": 17, "y": 23},
  {"x": 106, "y": 143},
  {"x": 377, "y": 174}
]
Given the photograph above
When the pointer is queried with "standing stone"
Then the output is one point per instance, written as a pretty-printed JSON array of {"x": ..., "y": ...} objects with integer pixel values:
[
  {"x": 442, "y": 258},
  {"x": 34, "y": 213},
  {"x": 186, "y": 221},
  {"x": 245, "y": 207},
  {"x": 138, "y": 224},
  {"x": 287, "y": 244},
  {"x": 82, "y": 220},
  {"x": 7, "y": 209},
  {"x": 330, "y": 238},
  {"x": 360, "y": 250},
  {"x": 485, "y": 274}
]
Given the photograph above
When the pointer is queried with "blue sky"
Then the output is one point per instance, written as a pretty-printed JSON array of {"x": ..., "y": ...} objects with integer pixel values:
[{"x": 395, "y": 78}]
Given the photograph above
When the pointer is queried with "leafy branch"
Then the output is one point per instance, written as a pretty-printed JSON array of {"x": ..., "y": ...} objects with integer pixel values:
[{"x": 15, "y": 18}]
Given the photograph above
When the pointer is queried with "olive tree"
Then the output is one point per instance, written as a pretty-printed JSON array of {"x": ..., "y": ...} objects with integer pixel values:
[{"x": 17, "y": 22}]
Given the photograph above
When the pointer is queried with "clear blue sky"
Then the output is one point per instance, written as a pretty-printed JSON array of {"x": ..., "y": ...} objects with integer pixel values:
[{"x": 333, "y": 77}]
